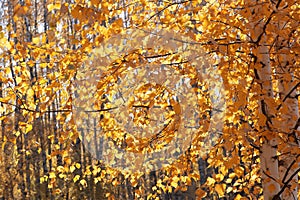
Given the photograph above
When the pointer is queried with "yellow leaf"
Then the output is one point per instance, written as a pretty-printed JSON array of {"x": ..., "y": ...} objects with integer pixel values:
[
  {"x": 110, "y": 98},
  {"x": 36, "y": 40},
  {"x": 239, "y": 171},
  {"x": 174, "y": 184},
  {"x": 52, "y": 175},
  {"x": 60, "y": 169},
  {"x": 119, "y": 155},
  {"x": 72, "y": 168},
  {"x": 68, "y": 160},
  {"x": 220, "y": 189},
  {"x": 4, "y": 142},
  {"x": 210, "y": 181},
  {"x": 239, "y": 197},
  {"x": 229, "y": 189},
  {"x": 50, "y": 185},
  {"x": 118, "y": 23},
  {"x": 219, "y": 177},
  {"x": 57, "y": 191},
  {"x": 200, "y": 193},
  {"x": 83, "y": 182},
  {"x": 17, "y": 133},
  {"x": 4, "y": 43},
  {"x": 77, "y": 165},
  {"x": 62, "y": 175},
  {"x": 27, "y": 153},
  {"x": 44, "y": 38},
  {"x": 133, "y": 182},
  {"x": 205, "y": 22},
  {"x": 115, "y": 183},
  {"x": 28, "y": 128},
  {"x": 18, "y": 80},
  {"x": 76, "y": 178},
  {"x": 42, "y": 180},
  {"x": 52, "y": 6},
  {"x": 75, "y": 12},
  {"x": 30, "y": 92}
]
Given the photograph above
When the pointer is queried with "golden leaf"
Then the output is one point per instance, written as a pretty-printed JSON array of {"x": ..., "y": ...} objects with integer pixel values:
[
  {"x": 220, "y": 189},
  {"x": 28, "y": 128},
  {"x": 52, "y": 175},
  {"x": 72, "y": 168},
  {"x": 76, "y": 178},
  {"x": 83, "y": 182},
  {"x": 78, "y": 165}
]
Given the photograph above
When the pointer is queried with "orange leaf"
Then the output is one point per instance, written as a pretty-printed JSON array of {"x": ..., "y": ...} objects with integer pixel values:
[{"x": 220, "y": 189}]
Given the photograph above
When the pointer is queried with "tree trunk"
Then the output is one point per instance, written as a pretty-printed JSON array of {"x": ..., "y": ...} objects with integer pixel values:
[
  {"x": 289, "y": 109},
  {"x": 268, "y": 156}
]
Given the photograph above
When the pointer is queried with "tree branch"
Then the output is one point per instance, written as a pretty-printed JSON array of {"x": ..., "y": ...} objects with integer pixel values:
[
  {"x": 286, "y": 184},
  {"x": 55, "y": 111},
  {"x": 287, "y": 95}
]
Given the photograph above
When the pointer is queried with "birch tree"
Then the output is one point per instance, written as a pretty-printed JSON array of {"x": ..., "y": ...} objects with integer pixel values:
[{"x": 45, "y": 48}]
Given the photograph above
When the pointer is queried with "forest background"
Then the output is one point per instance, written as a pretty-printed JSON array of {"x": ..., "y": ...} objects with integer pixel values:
[{"x": 252, "y": 45}]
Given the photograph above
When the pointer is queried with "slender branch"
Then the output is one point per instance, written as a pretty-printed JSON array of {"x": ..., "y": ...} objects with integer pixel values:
[
  {"x": 100, "y": 110},
  {"x": 286, "y": 184},
  {"x": 289, "y": 168},
  {"x": 270, "y": 177},
  {"x": 158, "y": 56},
  {"x": 236, "y": 27},
  {"x": 288, "y": 94},
  {"x": 160, "y": 11},
  {"x": 264, "y": 28},
  {"x": 56, "y": 111}
]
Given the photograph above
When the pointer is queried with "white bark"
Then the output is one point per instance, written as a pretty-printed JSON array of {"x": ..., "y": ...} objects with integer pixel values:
[
  {"x": 276, "y": 172},
  {"x": 288, "y": 121},
  {"x": 268, "y": 156}
]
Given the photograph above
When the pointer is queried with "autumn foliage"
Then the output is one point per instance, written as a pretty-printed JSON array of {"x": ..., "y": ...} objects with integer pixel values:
[{"x": 63, "y": 105}]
